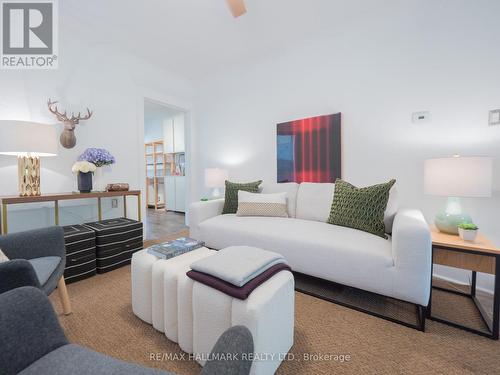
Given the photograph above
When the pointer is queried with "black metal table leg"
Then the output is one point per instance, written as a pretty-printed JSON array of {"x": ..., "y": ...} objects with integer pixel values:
[
  {"x": 496, "y": 299},
  {"x": 473, "y": 284},
  {"x": 421, "y": 315},
  {"x": 493, "y": 324},
  {"x": 429, "y": 306}
]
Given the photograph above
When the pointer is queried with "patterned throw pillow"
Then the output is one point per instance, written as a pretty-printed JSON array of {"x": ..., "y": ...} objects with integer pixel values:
[
  {"x": 255, "y": 204},
  {"x": 360, "y": 208},
  {"x": 3, "y": 257},
  {"x": 231, "y": 198}
]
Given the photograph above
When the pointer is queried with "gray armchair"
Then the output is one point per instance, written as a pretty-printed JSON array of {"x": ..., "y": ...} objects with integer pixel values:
[
  {"x": 33, "y": 343},
  {"x": 38, "y": 258}
]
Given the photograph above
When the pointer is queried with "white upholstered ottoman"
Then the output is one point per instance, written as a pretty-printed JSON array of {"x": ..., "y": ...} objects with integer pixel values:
[
  {"x": 268, "y": 312},
  {"x": 152, "y": 278},
  {"x": 195, "y": 315}
]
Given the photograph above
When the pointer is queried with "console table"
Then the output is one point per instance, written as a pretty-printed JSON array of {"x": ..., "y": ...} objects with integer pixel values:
[
  {"x": 6, "y": 201},
  {"x": 478, "y": 256}
]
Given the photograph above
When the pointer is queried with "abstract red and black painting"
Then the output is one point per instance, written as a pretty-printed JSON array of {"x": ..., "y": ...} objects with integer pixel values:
[{"x": 309, "y": 150}]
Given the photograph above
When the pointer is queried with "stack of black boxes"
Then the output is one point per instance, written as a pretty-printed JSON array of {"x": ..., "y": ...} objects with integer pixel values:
[
  {"x": 103, "y": 246},
  {"x": 116, "y": 241},
  {"x": 80, "y": 253}
]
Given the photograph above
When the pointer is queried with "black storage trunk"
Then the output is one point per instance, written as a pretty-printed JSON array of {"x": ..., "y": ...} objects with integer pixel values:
[
  {"x": 116, "y": 241},
  {"x": 80, "y": 253}
]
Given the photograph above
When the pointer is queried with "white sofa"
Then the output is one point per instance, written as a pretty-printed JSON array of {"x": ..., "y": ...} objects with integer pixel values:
[{"x": 399, "y": 267}]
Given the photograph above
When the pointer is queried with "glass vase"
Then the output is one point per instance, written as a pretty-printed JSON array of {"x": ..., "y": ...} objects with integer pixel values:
[{"x": 99, "y": 180}]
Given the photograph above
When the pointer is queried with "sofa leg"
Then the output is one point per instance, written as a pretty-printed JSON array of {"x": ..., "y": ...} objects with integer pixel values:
[
  {"x": 421, "y": 314},
  {"x": 63, "y": 295}
]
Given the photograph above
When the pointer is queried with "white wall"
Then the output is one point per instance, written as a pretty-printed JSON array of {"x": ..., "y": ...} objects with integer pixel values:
[
  {"x": 108, "y": 81},
  {"x": 440, "y": 56},
  {"x": 153, "y": 129}
]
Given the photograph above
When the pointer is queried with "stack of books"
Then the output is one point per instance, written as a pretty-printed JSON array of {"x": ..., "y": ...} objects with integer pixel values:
[{"x": 174, "y": 248}]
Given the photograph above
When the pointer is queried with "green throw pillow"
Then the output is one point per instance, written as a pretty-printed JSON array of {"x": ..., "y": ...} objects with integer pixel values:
[
  {"x": 231, "y": 199},
  {"x": 360, "y": 208}
]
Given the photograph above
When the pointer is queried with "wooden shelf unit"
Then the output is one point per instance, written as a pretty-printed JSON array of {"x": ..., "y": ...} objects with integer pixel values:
[{"x": 156, "y": 161}]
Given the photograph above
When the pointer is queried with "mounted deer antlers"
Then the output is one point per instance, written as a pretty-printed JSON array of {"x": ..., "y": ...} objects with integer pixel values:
[{"x": 68, "y": 138}]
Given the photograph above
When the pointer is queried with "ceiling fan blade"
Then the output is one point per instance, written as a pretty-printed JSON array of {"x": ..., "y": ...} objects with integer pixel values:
[{"x": 237, "y": 7}]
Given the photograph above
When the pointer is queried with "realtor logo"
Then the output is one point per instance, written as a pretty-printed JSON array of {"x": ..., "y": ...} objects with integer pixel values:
[{"x": 29, "y": 34}]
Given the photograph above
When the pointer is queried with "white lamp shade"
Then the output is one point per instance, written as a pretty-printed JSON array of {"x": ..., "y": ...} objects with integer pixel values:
[
  {"x": 22, "y": 138},
  {"x": 215, "y": 177},
  {"x": 459, "y": 176}
]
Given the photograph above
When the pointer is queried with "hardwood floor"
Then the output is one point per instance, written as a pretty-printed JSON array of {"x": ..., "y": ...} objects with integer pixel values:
[{"x": 161, "y": 224}]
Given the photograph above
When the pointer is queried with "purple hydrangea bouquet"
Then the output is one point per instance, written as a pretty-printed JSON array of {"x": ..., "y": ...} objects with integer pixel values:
[{"x": 97, "y": 156}]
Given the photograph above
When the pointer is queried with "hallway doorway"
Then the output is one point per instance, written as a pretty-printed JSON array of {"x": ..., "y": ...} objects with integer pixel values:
[{"x": 165, "y": 162}]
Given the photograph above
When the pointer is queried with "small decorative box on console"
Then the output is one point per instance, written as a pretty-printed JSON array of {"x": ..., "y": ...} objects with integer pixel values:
[
  {"x": 80, "y": 253},
  {"x": 116, "y": 241},
  {"x": 117, "y": 187}
]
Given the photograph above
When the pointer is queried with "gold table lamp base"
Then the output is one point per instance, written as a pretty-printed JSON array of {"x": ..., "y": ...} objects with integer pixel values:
[{"x": 29, "y": 175}]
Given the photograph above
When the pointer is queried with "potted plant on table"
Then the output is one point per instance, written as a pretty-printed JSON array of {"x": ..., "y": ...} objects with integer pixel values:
[
  {"x": 100, "y": 158},
  {"x": 85, "y": 171},
  {"x": 467, "y": 231}
]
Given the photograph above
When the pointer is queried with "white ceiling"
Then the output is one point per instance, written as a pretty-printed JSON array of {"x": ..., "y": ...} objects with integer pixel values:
[{"x": 194, "y": 38}]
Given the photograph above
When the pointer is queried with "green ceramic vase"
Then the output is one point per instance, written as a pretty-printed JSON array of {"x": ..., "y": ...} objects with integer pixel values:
[{"x": 448, "y": 220}]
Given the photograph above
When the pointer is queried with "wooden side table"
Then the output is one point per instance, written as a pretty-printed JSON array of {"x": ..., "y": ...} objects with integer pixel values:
[{"x": 479, "y": 256}]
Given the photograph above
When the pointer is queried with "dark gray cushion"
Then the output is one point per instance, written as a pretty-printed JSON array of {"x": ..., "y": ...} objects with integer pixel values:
[
  {"x": 32, "y": 342},
  {"x": 44, "y": 267},
  {"x": 76, "y": 360},
  {"x": 232, "y": 353},
  {"x": 51, "y": 283},
  {"x": 34, "y": 243},
  {"x": 17, "y": 273},
  {"x": 28, "y": 329},
  {"x": 38, "y": 243}
]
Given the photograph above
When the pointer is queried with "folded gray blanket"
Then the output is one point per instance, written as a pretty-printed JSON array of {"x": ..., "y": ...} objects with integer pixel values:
[
  {"x": 238, "y": 292},
  {"x": 238, "y": 265}
]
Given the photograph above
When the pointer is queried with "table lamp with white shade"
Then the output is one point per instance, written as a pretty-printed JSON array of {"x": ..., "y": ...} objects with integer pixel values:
[
  {"x": 28, "y": 141},
  {"x": 215, "y": 179},
  {"x": 457, "y": 177}
]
